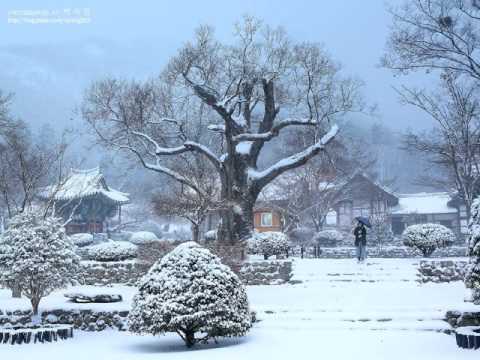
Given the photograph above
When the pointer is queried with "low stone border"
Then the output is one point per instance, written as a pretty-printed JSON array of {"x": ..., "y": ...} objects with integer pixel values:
[
  {"x": 468, "y": 337},
  {"x": 439, "y": 271},
  {"x": 94, "y": 298},
  {"x": 41, "y": 333},
  {"x": 268, "y": 272},
  {"x": 463, "y": 318},
  {"x": 387, "y": 252},
  {"x": 88, "y": 320},
  {"x": 114, "y": 272}
]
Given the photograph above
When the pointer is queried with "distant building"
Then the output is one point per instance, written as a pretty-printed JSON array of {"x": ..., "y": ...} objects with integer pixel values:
[
  {"x": 269, "y": 216},
  {"x": 361, "y": 196},
  {"x": 425, "y": 208},
  {"x": 85, "y": 199}
]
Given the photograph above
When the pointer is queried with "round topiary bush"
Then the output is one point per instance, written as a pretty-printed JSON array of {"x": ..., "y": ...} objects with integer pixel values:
[
  {"x": 328, "y": 238},
  {"x": 143, "y": 237},
  {"x": 82, "y": 239},
  {"x": 111, "y": 251},
  {"x": 189, "y": 291},
  {"x": 428, "y": 237},
  {"x": 268, "y": 243}
]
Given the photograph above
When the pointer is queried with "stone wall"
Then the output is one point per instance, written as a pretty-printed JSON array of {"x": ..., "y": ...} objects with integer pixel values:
[
  {"x": 463, "y": 318},
  {"x": 88, "y": 320},
  {"x": 111, "y": 272},
  {"x": 386, "y": 252},
  {"x": 268, "y": 272},
  {"x": 441, "y": 270}
]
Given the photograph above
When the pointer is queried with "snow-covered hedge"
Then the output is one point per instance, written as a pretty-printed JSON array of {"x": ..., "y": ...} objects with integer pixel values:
[
  {"x": 328, "y": 237},
  {"x": 268, "y": 243},
  {"x": 143, "y": 237},
  {"x": 82, "y": 239},
  {"x": 472, "y": 277},
  {"x": 190, "y": 291},
  {"x": 428, "y": 237},
  {"x": 111, "y": 251}
]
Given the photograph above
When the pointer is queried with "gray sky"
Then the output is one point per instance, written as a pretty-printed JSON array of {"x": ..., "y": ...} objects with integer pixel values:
[{"x": 48, "y": 66}]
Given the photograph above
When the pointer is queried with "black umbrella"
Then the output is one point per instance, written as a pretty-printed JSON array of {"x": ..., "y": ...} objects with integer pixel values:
[{"x": 364, "y": 221}]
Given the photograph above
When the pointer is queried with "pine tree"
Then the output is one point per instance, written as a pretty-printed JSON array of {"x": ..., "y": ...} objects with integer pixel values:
[
  {"x": 190, "y": 291},
  {"x": 37, "y": 256},
  {"x": 472, "y": 277}
]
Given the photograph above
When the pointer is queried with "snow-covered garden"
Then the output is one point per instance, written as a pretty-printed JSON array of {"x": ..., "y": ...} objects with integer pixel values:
[{"x": 340, "y": 310}]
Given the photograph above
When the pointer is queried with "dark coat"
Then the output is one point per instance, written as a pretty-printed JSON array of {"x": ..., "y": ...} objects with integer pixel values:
[{"x": 360, "y": 234}]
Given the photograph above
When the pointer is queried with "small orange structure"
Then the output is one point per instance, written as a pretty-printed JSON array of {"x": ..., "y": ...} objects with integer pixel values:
[{"x": 268, "y": 217}]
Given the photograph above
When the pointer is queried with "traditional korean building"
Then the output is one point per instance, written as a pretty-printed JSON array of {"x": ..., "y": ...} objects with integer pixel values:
[{"x": 85, "y": 198}]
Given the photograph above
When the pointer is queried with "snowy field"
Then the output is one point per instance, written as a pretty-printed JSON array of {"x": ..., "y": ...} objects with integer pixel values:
[{"x": 341, "y": 310}]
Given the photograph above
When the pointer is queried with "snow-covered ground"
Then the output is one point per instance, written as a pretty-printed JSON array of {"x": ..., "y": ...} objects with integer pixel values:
[{"x": 341, "y": 310}]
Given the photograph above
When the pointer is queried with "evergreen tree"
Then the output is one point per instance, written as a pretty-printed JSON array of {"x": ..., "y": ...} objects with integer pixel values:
[
  {"x": 190, "y": 291},
  {"x": 472, "y": 277},
  {"x": 37, "y": 256}
]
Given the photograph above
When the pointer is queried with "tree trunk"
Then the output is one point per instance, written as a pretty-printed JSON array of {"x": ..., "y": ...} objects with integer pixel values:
[
  {"x": 16, "y": 291},
  {"x": 189, "y": 338},
  {"x": 35, "y": 302},
  {"x": 195, "y": 232}
]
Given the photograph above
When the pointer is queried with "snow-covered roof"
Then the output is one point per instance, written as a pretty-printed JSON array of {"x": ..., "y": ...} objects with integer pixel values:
[
  {"x": 83, "y": 183},
  {"x": 423, "y": 203}
]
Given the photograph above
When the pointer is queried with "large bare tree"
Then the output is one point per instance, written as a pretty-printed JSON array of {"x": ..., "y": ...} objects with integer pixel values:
[
  {"x": 252, "y": 89},
  {"x": 453, "y": 144},
  {"x": 435, "y": 35}
]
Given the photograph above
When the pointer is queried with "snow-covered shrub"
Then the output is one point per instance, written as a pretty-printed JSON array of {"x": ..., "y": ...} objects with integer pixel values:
[
  {"x": 143, "y": 237},
  {"x": 36, "y": 256},
  {"x": 210, "y": 235},
  {"x": 190, "y": 291},
  {"x": 472, "y": 276},
  {"x": 328, "y": 238},
  {"x": 111, "y": 251},
  {"x": 268, "y": 243},
  {"x": 428, "y": 237},
  {"x": 82, "y": 239}
]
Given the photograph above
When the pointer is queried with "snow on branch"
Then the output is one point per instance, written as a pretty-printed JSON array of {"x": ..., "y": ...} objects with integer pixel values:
[
  {"x": 274, "y": 131},
  {"x": 216, "y": 128},
  {"x": 187, "y": 146},
  {"x": 264, "y": 177},
  {"x": 164, "y": 170}
]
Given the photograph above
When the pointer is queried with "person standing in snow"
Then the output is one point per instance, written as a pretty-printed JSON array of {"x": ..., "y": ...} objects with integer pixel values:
[{"x": 360, "y": 233}]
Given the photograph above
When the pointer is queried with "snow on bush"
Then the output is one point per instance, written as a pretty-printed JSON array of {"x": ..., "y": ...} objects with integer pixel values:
[
  {"x": 328, "y": 237},
  {"x": 268, "y": 243},
  {"x": 82, "y": 239},
  {"x": 111, "y": 251},
  {"x": 472, "y": 276},
  {"x": 36, "y": 257},
  {"x": 143, "y": 237},
  {"x": 189, "y": 291},
  {"x": 427, "y": 237},
  {"x": 211, "y": 235}
]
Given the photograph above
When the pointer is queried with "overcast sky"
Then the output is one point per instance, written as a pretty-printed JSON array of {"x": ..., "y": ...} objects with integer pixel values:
[{"x": 48, "y": 66}]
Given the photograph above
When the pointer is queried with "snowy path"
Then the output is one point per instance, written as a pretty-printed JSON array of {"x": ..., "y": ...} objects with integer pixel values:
[
  {"x": 340, "y": 311},
  {"x": 341, "y": 294}
]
